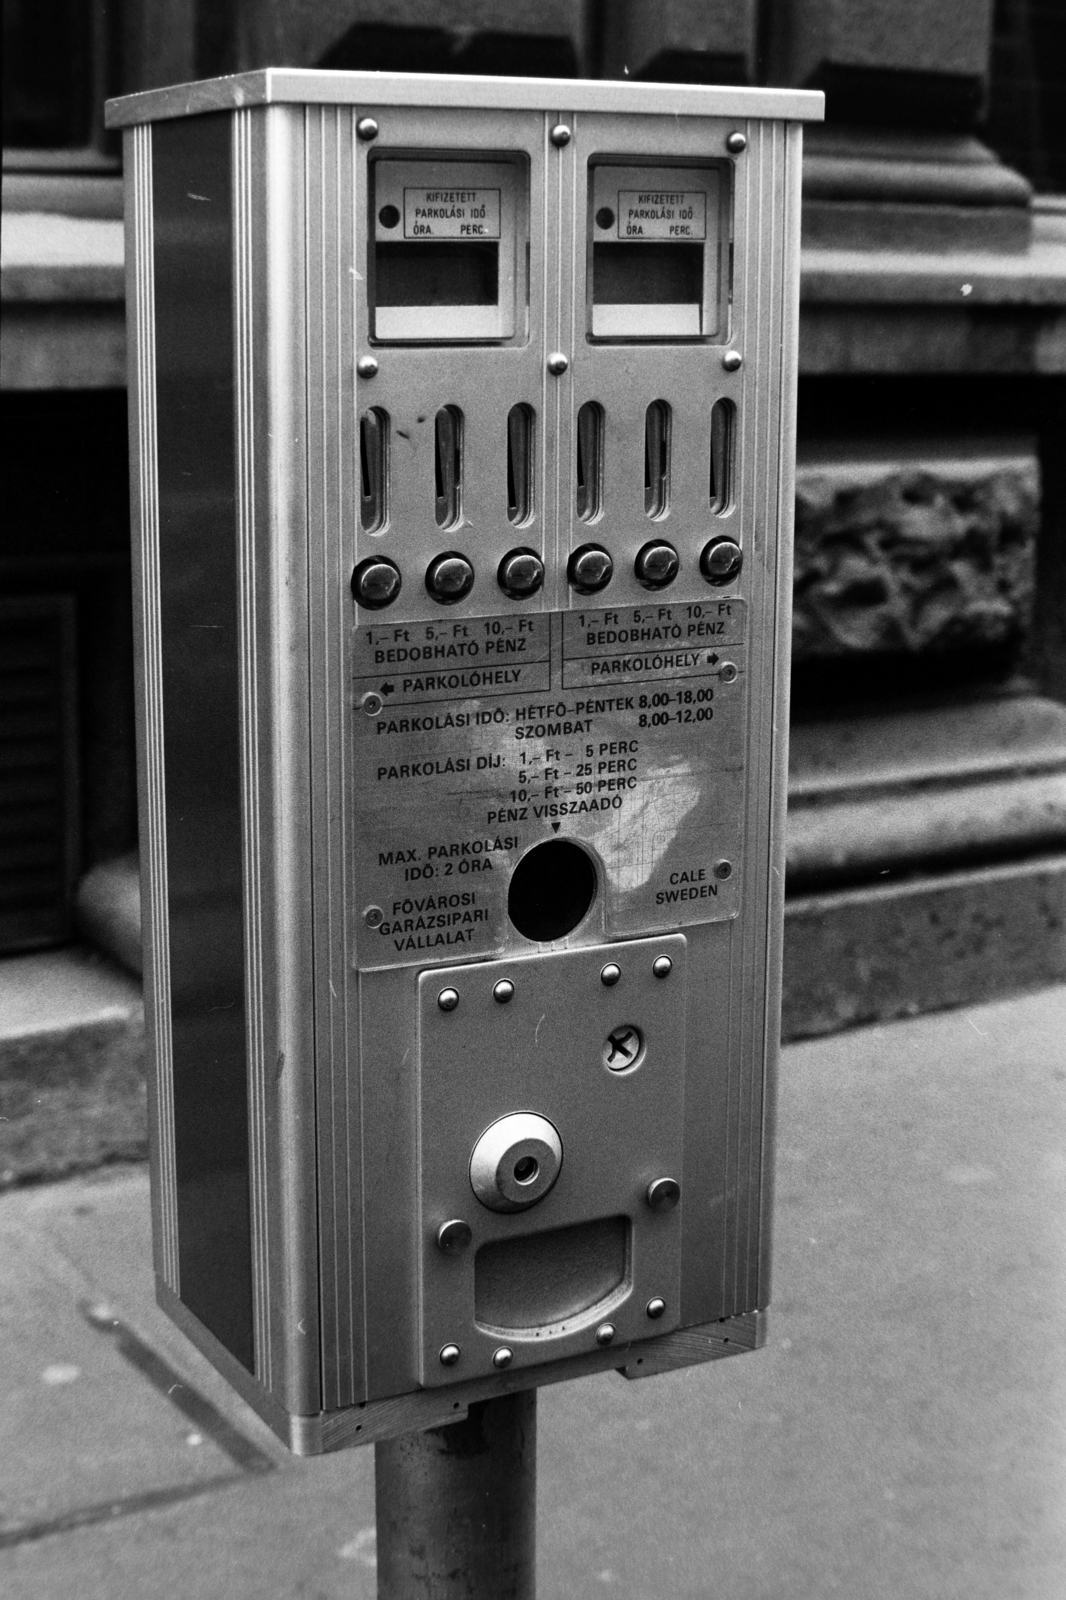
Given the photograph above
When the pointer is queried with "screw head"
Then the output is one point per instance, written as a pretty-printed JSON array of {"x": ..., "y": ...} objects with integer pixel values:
[
  {"x": 520, "y": 573},
  {"x": 502, "y": 1357},
  {"x": 623, "y": 1048},
  {"x": 721, "y": 561},
  {"x": 560, "y": 135},
  {"x": 453, "y": 1237},
  {"x": 448, "y": 999},
  {"x": 605, "y": 1333},
  {"x": 503, "y": 992},
  {"x": 558, "y": 363},
  {"x": 662, "y": 966},
  {"x": 449, "y": 1355},
  {"x": 372, "y": 704},
  {"x": 610, "y": 974},
  {"x": 663, "y": 1194},
  {"x": 655, "y": 1307},
  {"x": 589, "y": 569},
  {"x": 657, "y": 564},
  {"x": 367, "y": 366},
  {"x": 367, "y": 129},
  {"x": 449, "y": 578},
  {"x": 732, "y": 361},
  {"x": 373, "y": 916},
  {"x": 376, "y": 583},
  {"x": 727, "y": 672},
  {"x": 736, "y": 143},
  {"x": 723, "y": 870}
]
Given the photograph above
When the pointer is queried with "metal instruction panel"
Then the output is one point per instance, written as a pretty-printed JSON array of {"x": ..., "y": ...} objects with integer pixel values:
[{"x": 477, "y": 739}]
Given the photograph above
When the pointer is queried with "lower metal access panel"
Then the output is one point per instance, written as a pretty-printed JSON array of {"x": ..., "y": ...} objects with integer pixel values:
[{"x": 602, "y": 1062}]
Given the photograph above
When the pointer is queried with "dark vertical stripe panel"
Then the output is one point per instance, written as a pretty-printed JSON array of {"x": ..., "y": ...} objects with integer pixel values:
[{"x": 193, "y": 217}]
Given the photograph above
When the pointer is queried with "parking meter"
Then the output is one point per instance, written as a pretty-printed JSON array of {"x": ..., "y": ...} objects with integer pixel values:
[{"x": 462, "y": 420}]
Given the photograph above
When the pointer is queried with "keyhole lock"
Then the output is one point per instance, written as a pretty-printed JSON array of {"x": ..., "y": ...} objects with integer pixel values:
[{"x": 515, "y": 1162}]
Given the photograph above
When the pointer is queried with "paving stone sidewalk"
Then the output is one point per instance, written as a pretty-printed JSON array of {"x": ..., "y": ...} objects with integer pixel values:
[{"x": 902, "y": 1438}]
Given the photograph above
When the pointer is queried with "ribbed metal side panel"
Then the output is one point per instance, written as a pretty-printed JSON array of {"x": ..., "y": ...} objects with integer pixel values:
[
  {"x": 332, "y": 205},
  {"x": 149, "y": 669},
  {"x": 252, "y": 839}
]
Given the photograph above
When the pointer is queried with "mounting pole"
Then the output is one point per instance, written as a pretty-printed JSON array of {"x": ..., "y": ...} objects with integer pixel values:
[{"x": 456, "y": 1506}]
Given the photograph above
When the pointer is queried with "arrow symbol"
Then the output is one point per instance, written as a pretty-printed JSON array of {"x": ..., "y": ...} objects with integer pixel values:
[
  {"x": 390, "y": 688},
  {"x": 712, "y": 660},
  {"x": 555, "y": 827}
]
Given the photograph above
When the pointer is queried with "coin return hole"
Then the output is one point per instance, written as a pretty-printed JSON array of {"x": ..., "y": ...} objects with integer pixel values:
[
  {"x": 551, "y": 890},
  {"x": 526, "y": 1169}
]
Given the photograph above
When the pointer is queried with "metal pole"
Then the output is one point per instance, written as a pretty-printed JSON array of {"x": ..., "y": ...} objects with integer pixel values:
[{"x": 456, "y": 1507}]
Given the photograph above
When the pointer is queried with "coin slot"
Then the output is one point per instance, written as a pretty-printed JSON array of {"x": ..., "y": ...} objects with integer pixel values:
[
  {"x": 448, "y": 466},
  {"x": 551, "y": 890},
  {"x": 656, "y": 458},
  {"x": 589, "y": 464},
  {"x": 723, "y": 430},
  {"x": 519, "y": 464},
  {"x": 373, "y": 469}
]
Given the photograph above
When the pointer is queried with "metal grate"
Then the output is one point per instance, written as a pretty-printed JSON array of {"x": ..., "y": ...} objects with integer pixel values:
[{"x": 38, "y": 771}]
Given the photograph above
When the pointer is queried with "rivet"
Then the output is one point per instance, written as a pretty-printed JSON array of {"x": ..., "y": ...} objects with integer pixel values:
[
  {"x": 367, "y": 129},
  {"x": 502, "y": 1357},
  {"x": 371, "y": 704},
  {"x": 503, "y": 992},
  {"x": 373, "y": 916},
  {"x": 663, "y": 1194},
  {"x": 655, "y": 1307},
  {"x": 453, "y": 1236},
  {"x": 610, "y": 974},
  {"x": 662, "y": 966},
  {"x": 560, "y": 134},
  {"x": 727, "y": 672},
  {"x": 723, "y": 870},
  {"x": 448, "y": 999},
  {"x": 605, "y": 1333},
  {"x": 732, "y": 361},
  {"x": 367, "y": 366},
  {"x": 449, "y": 1355},
  {"x": 558, "y": 363},
  {"x": 736, "y": 144}
]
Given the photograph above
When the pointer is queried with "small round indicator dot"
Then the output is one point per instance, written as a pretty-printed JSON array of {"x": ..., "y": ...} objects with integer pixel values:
[
  {"x": 736, "y": 144},
  {"x": 454, "y": 1236},
  {"x": 655, "y": 1307},
  {"x": 367, "y": 129},
  {"x": 605, "y": 217},
  {"x": 560, "y": 135},
  {"x": 373, "y": 916},
  {"x": 502, "y": 1357},
  {"x": 663, "y": 1194},
  {"x": 732, "y": 361},
  {"x": 662, "y": 966},
  {"x": 723, "y": 870},
  {"x": 605, "y": 1333},
  {"x": 449, "y": 1355},
  {"x": 388, "y": 216},
  {"x": 503, "y": 992},
  {"x": 367, "y": 366},
  {"x": 610, "y": 974},
  {"x": 448, "y": 999}
]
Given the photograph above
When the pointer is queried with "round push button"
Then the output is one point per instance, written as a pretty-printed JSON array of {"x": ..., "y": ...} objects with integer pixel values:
[
  {"x": 721, "y": 561},
  {"x": 449, "y": 578},
  {"x": 656, "y": 564},
  {"x": 520, "y": 573},
  {"x": 376, "y": 583},
  {"x": 590, "y": 569}
]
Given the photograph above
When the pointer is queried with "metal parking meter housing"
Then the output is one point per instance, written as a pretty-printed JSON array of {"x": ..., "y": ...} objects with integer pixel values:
[{"x": 462, "y": 418}]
